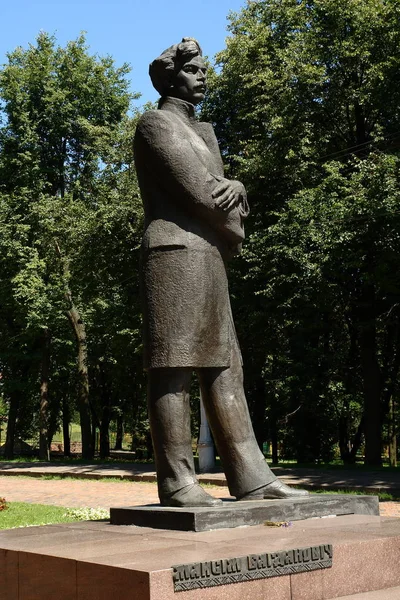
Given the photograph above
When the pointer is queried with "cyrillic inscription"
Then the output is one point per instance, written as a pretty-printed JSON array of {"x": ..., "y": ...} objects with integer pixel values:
[{"x": 254, "y": 566}]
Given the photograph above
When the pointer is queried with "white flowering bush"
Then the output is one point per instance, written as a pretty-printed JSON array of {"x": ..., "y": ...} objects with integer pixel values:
[{"x": 87, "y": 514}]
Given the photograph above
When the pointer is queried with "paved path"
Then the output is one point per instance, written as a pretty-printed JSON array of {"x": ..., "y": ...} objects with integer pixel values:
[
  {"x": 75, "y": 493},
  {"x": 311, "y": 478},
  {"x": 79, "y": 493},
  {"x": 91, "y": 492}
]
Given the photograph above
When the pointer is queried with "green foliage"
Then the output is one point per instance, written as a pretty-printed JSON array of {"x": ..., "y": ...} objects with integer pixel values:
[
  {"x": 70, "y": 218},
  {"x": 62, "y": 104},
  {"x": 305, "y": 101}
]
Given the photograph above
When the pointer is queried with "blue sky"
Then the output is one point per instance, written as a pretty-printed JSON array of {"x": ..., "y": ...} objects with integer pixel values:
[{"x": 133, "y": 31}]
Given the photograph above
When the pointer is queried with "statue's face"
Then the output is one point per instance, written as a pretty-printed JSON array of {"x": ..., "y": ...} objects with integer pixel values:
[{"x": 190, "y": 83}]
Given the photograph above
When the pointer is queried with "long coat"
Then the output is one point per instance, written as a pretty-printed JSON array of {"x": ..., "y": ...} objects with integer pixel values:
[{"x": 187, "y": 241}]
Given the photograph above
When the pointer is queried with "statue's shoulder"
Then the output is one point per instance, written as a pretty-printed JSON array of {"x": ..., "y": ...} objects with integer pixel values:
[
  {"x": 153, "y": 119},
  {"x": 205, "y": 130}
]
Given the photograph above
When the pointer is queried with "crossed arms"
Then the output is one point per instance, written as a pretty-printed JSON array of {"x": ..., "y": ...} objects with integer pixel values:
[{"x": 162, "y": 147}]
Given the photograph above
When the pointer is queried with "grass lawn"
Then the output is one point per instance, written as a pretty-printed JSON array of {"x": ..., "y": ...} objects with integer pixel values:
[
  {"x": 383, "y": 496},
  {"x": 22, "y": 514}
]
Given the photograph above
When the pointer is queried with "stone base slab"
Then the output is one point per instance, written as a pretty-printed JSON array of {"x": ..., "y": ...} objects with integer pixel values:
[
  {"x": 239, "y": 514},
  {"x": 100, "y": 561}
]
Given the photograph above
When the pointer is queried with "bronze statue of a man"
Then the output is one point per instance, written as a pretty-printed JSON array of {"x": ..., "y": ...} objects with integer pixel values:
[{"x": 193, "y": 225}]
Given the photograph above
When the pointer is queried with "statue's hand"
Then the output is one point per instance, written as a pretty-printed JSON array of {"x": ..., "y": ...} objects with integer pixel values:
[{"x": 228, "y": 193}]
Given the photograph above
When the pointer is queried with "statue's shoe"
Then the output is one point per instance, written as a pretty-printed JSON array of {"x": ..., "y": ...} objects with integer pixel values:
[
  {"x": 192, "y": 495},
  {"x": 275, "y": 491}
]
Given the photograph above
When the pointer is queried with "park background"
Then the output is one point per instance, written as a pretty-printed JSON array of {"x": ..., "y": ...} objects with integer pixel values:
[{"x": 304, "y": 98}]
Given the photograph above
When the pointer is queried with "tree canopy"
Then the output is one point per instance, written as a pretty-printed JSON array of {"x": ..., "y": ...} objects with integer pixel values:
[
  {"x": 305, "y": 101},
  {"x": 70, "y": 221}
]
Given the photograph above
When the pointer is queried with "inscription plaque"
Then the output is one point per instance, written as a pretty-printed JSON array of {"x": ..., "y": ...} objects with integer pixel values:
[{"x": 254, "y": 566}]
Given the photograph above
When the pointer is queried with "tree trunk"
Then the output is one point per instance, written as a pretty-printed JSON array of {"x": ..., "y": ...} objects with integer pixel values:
[
  {"x": 44, "y": 453},
  {"x": 105, "y": 433},
  {"x": 372, "y": 394},
  {"x": 53, "y": 424},
  {"x": 95, "y": 427},
  {"x": 83, "y": 382},
  {"x": 66, "y": 419},
  {"x": 149, "y": 445},
  {"x": 258, "y": 412},
  {"x": 372, "y": 380},
  {"x": 120, "y": 433},
  {"x": 357, "y": 442},
  {"x": 105, "y": 416},
  {"x": 344, "y": 442},
  {"x": 65, "y": 425},
  {"x": 348, "y": 451},
  {"x": 11, "y": 424},
  {"x": 392, "y": 433},
  {"x": 79, "y": 329},
  {"x": 135, "y": 420}
]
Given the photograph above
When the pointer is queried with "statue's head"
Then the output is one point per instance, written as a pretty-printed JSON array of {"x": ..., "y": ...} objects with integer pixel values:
[{"x": 180, "y": 71}]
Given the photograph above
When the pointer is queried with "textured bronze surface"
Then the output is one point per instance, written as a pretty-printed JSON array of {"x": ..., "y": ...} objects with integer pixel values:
[
  {"x": 193, "y": 225},
  {"x": 239, "y": 514}
]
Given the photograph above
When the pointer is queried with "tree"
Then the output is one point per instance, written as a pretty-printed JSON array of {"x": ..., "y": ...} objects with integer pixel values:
[
  {"x": 305, "y": 101},
  {"x": 66, "y": 115}
]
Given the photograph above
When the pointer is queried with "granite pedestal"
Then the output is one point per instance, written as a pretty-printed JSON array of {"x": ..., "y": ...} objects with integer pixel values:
[{"x": 100, "y": 561}]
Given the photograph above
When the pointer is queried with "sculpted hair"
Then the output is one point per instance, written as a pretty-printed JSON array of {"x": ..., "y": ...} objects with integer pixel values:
[{"x": 163, "y": 69}]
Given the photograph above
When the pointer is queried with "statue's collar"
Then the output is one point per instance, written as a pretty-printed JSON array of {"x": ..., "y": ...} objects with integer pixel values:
[{"x": 179, "y": 107}]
